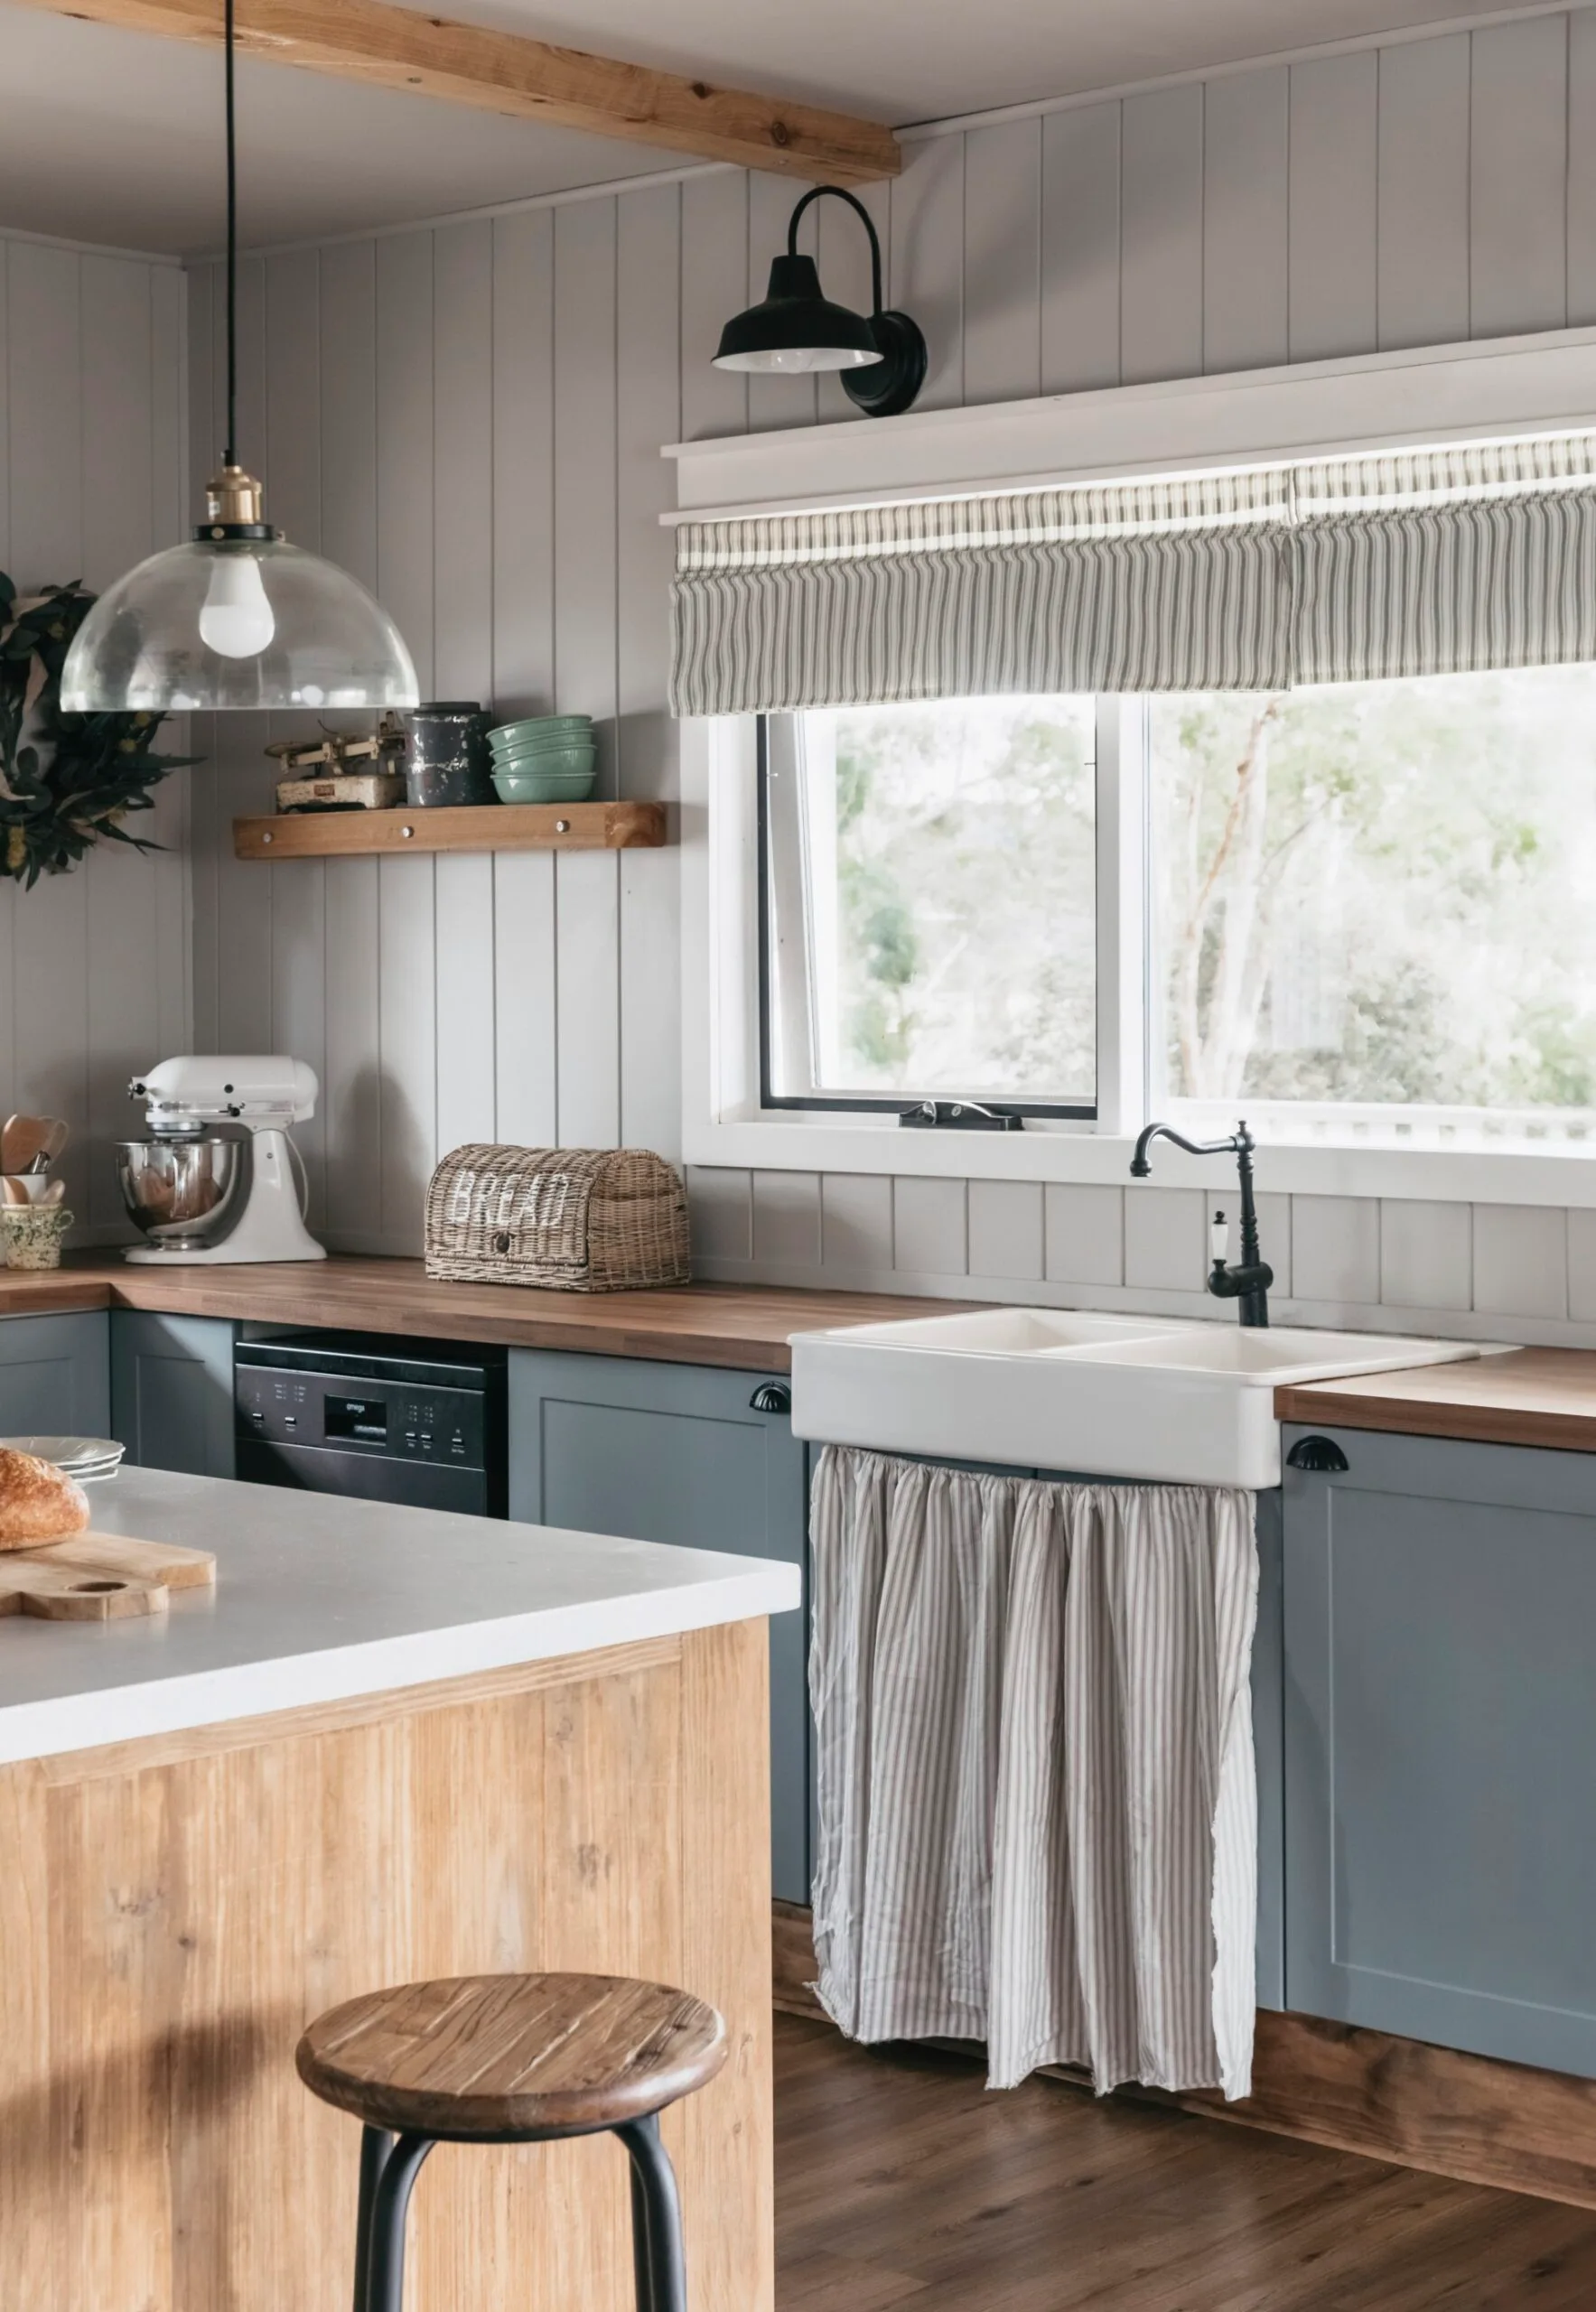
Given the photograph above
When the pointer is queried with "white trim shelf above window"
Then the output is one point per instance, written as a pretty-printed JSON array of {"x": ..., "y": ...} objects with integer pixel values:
[{"x": 1427, "y": 514}]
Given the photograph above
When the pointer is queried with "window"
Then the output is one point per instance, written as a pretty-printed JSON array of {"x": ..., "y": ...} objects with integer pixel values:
[
  {"x": 1366, "y": 910},
  {"x": 930, "y": 906}
]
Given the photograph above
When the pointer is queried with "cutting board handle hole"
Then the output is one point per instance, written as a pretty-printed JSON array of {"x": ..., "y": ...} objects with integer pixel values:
[{"x": 96, "y": 1588}]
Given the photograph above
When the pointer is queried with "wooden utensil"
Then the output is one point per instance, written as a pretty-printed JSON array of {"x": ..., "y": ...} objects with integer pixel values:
[
  {"x": 28, "y": 1143},
  {"x": 99, "y": 1577}
]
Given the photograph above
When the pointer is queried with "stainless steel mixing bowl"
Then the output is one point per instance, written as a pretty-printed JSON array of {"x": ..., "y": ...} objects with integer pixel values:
[{"x": 182, "y": 1191}]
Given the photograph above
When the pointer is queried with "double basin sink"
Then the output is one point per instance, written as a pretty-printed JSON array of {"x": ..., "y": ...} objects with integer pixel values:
[{"x": 1063, "y": 1390}]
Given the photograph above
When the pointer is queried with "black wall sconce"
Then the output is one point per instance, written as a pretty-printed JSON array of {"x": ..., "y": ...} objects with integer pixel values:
[{"x": 797, "y": 330}]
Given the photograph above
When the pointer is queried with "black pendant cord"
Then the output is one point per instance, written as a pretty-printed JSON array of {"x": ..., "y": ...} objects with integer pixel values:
[
  {"x": 230, "y": 455},
  {"x": 839, "y": 192}
]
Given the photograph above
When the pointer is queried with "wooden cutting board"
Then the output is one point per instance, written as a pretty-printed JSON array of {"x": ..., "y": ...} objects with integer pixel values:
[{"x": 100, "y": 1578}]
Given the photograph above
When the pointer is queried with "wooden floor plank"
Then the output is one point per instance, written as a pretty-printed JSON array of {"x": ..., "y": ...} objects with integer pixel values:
[{"x": 902, "y": 2185}]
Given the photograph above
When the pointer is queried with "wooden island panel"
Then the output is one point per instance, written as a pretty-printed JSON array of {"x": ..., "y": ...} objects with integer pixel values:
[{"x": 173, "y": 1915}]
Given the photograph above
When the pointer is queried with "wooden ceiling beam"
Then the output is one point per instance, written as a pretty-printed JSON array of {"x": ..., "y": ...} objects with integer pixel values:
[{"x": 389, "y": 47}]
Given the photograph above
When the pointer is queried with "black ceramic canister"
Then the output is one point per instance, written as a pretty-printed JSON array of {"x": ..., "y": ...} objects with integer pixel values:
[{"x": 446, "y": 754}]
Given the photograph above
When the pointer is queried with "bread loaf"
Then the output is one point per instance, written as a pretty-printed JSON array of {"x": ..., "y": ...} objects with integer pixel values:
[{"x": 37, "y": 1503}]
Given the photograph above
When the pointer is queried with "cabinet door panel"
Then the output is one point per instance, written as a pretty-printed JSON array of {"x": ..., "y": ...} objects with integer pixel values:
[
  {"x": 1440, "y": 1745},
  {"x": 172, "y": 1391},
  {"x": 53, "y": 1376},
  {"x": 677, "y": 1453}
]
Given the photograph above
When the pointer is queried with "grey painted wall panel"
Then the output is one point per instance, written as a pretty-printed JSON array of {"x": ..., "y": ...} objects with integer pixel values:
[
  {"x": 95, "y": 967},
  {"x": 1080, "y": 248},
  {"x": 1160, "y": 234},
  {"x": 1002, "y": 261},
  {"x": 1244, "y": 222},
  {"x": 1518, "y": 177},
  {"x": 1423, "y": 192},
  {"x": 1333, "y": 205}
]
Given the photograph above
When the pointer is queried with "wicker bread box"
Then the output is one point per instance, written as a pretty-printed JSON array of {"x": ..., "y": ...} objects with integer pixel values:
[{"x": 579, "y": 1219}]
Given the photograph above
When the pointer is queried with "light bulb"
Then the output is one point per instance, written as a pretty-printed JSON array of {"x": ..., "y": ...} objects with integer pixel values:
[{"x": 237, "y": 618}]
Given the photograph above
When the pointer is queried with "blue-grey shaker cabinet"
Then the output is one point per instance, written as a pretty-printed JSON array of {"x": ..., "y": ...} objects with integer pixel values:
[
  {"x": 679, "y": 1453},
  {"x": 54, "y": 1378},
  {"x": 1440, "y": 1697},
  {"x": 172, "y": 1391}
]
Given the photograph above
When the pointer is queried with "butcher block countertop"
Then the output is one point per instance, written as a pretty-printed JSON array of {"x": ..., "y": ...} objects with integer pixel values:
[
  {"x": 735, "y": 1325},
  {"x": 1538, "y": 1396}
]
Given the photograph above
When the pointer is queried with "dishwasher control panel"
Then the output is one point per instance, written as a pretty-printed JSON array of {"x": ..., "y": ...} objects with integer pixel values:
[{"x": 362, "y": 1414}]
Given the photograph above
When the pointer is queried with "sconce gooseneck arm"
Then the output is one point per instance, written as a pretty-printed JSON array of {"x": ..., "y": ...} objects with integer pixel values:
[{"x": 839, "y": 193}]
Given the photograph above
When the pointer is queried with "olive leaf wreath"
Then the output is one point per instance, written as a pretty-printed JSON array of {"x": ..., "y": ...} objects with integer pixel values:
[{"x": 66, "y": 780}]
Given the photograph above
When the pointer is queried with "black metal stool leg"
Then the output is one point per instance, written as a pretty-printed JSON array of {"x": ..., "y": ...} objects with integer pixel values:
[
  {"x": 376, "y": 2143},
  {"x": 642, "y": 2270},
  {"x": 658, "y": 2259},
  {"x": 384, "y": 2272}
]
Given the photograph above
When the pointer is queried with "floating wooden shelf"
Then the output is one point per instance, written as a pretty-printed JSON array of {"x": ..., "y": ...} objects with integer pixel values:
[{"x": 490, "y": 826}]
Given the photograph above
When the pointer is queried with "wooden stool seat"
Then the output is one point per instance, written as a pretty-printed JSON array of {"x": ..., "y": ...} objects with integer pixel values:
[{"x": 495, "y": 2056}]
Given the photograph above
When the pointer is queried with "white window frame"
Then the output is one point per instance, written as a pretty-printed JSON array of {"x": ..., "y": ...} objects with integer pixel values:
[{"x": 1436, "y": 394}]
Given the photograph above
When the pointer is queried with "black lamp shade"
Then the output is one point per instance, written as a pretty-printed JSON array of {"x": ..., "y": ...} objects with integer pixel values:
[{"x": 797, "y": 329}]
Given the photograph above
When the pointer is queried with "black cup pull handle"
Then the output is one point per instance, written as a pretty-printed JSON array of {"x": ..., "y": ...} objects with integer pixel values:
[
  {"x": 771, "y": 1396},
  {"x": 1322, "y": 1454}
]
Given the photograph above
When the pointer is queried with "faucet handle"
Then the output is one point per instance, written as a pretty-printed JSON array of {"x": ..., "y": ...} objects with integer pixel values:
[{"x": 1220, "y": 1238}]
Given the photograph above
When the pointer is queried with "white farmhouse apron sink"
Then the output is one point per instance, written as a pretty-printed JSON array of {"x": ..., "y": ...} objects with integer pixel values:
[{"x": 1059, "y": 1389}]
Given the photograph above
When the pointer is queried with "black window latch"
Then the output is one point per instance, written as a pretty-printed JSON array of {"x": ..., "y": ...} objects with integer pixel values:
[{"x": 959, "y": 1115}]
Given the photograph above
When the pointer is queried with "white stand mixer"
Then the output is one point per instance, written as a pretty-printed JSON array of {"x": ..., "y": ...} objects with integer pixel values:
[{"x": 215, "y": 1181}]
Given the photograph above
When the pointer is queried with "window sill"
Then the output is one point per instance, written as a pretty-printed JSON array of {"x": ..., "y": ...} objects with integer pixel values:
[{"x": 833, "y": 1142}]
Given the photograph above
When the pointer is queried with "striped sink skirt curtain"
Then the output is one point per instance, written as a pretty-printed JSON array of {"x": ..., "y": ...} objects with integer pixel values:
[{"x": 1038, "y": 1808}]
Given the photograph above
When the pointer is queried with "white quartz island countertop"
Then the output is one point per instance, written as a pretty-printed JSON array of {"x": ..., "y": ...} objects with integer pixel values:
[{"x": 320, "y": 1598}]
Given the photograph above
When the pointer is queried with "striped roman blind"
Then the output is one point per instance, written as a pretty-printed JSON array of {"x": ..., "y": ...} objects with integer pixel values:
[{"x": 1424, "y": 561}]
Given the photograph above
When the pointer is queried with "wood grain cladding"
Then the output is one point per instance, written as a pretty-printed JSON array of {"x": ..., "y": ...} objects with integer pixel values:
[
  {"x": 1538, "y": 1397},
  {"x": 1502, "y": 2124},
  {"x": 725, "y": 1325},
  {"x": 477, "y": 829},
  {"x": 1344, "y": 205},
  {"x": 166, "y": 1933},
  {"x": 385, "y": 47}
]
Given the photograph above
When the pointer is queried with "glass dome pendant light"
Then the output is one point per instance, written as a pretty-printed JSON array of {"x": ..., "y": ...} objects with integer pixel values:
[{"x": 234, "y": 618}]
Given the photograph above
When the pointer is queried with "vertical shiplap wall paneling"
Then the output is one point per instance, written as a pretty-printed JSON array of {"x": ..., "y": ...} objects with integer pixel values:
[
  {"x": 206, "y": 816},
  {"x": 94, "y": 963},
  {"x": 648, "y": 412},
  {"x": 1333, "y": 205},
  {"x": 927, "y": 269},
  {"x": 240, "y": 766},
  {"x": 1160, "y": 234},
  {"x": 170, "y": 819},
  {"x": 407, "y": 995},
  {"x": 1423, "y": 187},
  {"x": 1080, "y": 248},
  {"x": 1518, "y": 177},
  {"x": 1003, "y": 262},
  {"x": 715, "y": 282},
  {"x": 1244, "y": 222},
  {"x": 587, "y": 883},
  {"x": 525, "y": 962},
  {"x": 298, "y": 890},
  {"x": 1582, "y": 168},
  {"x": 463, "y": 497},
  {"x": 45, "y": 355},
  {"x": 119, "y": 890},
  {"x": 351, "y": 1101}
]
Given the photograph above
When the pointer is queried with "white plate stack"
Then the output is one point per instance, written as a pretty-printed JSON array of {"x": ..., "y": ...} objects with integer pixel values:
[{"x": 82, "y": 1458}]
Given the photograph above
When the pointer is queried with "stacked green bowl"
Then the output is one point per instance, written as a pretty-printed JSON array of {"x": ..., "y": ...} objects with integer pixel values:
[{"x": 546, "y": 758}]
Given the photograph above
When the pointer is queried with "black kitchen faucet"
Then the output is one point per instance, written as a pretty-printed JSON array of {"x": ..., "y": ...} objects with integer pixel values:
[{"x": 1249, "y": 1282}]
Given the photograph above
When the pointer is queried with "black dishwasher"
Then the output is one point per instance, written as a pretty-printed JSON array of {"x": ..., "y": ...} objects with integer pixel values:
[{"x": 408, "y": 1420}]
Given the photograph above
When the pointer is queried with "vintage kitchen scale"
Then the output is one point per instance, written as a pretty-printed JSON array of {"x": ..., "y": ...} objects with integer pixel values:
[{"x": 333, "y": 783}]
